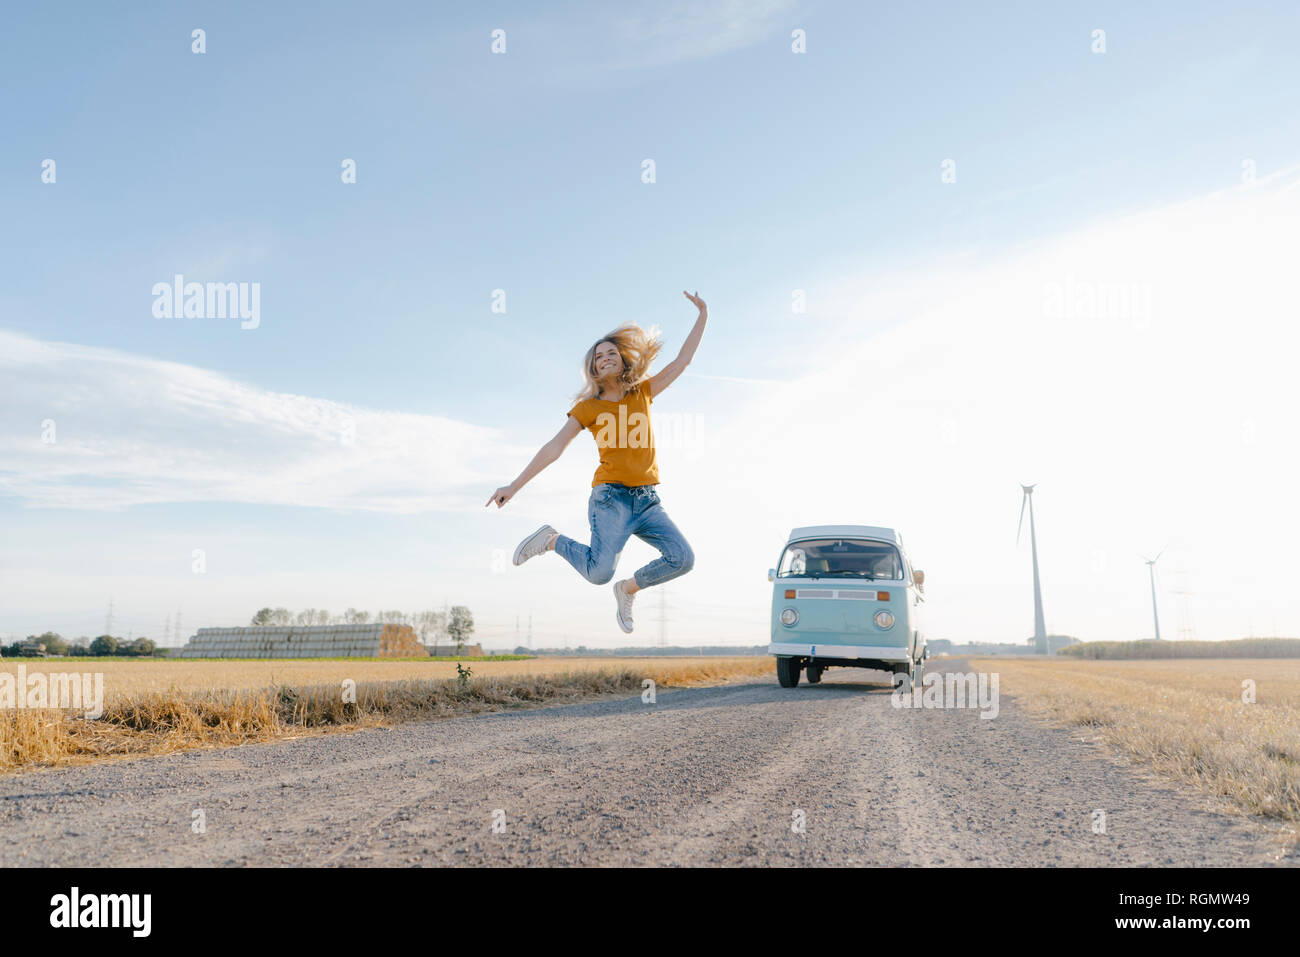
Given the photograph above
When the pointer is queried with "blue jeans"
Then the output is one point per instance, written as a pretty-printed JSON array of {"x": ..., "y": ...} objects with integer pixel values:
[{"x": 618, "y": 512}]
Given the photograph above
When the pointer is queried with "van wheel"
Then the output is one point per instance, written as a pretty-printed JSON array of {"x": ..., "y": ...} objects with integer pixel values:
[
  {"x": 787, "y": 672},
  {"x": 813, "y": 673},
  {"x": 906, "y": 671},
  {"x": 918, "y": 672}
]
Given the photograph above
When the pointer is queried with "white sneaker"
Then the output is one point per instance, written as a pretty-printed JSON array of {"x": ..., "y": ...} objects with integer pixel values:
[
  {"x": 533, "y": 545},
  {"x": 624, "y": 611}
]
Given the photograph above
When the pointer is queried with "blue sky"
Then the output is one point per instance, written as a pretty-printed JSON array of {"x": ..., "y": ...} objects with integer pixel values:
[{"x": 521, "y": 172}]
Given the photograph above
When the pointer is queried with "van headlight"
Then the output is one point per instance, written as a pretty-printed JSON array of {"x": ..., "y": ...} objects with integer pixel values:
[
  {"x": 885, "y": 619},
  {"x": 789, "y": 616}
]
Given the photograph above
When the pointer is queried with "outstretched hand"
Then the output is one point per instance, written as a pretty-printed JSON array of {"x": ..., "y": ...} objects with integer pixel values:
[
  {"x": 502, "y": 495},
  {"x": 703, "y": 307}
]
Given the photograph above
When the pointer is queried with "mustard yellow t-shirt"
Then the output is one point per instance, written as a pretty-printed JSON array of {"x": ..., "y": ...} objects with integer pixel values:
[{"x": 623, "y": 436}]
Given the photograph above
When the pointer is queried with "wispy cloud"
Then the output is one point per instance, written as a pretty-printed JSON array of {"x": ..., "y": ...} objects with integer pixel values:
[
  {"x": 696, "y": 30},
  {"x": 129, "y": 430},
  {"x": 734, "y": 378}
]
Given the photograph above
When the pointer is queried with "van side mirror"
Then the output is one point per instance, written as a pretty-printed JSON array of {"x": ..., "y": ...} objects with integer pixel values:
[
  {"x": 771, "y": 574},
  {"x": 918, "y": 576}
]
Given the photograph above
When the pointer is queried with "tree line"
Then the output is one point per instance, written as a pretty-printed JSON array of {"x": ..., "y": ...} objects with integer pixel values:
[
  {"x": 1150, "y": 648},
  {"x": 52, "y": 643}
]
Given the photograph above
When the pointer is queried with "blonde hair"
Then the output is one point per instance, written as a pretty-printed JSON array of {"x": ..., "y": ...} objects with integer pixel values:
[{"x": 638, "y": 349}]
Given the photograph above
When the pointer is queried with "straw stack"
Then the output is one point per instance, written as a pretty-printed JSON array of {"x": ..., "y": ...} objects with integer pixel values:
[{"x": 304, "y": 641}]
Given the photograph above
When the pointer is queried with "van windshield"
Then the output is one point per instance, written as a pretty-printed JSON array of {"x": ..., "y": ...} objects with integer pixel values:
[{"x": 841, "y": 558}]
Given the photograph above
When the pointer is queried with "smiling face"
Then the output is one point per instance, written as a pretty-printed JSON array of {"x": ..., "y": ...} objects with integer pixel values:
[{"x": 607, "y": 362}]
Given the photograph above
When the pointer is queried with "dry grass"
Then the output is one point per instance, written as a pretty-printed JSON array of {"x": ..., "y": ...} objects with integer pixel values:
[
  {"x": 159, "y": 707},
  {"x": 132, "y": 677},
  {"x": 1182, "y": 718}
]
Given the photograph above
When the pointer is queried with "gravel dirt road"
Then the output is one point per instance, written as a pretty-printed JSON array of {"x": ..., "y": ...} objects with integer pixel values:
[{"x": 704, "y": 776}]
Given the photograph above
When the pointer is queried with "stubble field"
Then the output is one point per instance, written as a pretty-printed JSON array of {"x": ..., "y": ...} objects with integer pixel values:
[{"x": 1188, "y": 719}]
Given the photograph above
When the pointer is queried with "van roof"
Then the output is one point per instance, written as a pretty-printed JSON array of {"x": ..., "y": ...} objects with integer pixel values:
[{"x": 877, "y": 532}]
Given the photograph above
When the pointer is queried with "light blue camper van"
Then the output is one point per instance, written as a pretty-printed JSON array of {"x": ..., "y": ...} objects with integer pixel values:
[{"x": 846, "y": 596}]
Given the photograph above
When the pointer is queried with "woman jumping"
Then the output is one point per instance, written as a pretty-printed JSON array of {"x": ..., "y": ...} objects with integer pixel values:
[{"x": 615, "y": 406}]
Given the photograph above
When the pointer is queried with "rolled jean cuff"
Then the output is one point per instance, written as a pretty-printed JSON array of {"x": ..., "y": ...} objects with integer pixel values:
[{"x": 636, "y": 577}]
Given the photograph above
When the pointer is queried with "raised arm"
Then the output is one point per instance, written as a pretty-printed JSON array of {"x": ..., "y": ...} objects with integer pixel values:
[
  {"x": 547, "y": 454},
  {"x": 669, "y": 373}
]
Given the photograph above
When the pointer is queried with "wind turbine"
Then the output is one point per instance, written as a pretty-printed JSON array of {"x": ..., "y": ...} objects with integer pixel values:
[
  {"x": 1040, "y": 630},
  {"x": 1151, "y": 566}
]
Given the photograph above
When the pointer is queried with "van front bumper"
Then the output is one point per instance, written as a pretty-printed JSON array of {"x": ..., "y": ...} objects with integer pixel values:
[{"x": 874, "y": 652}]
